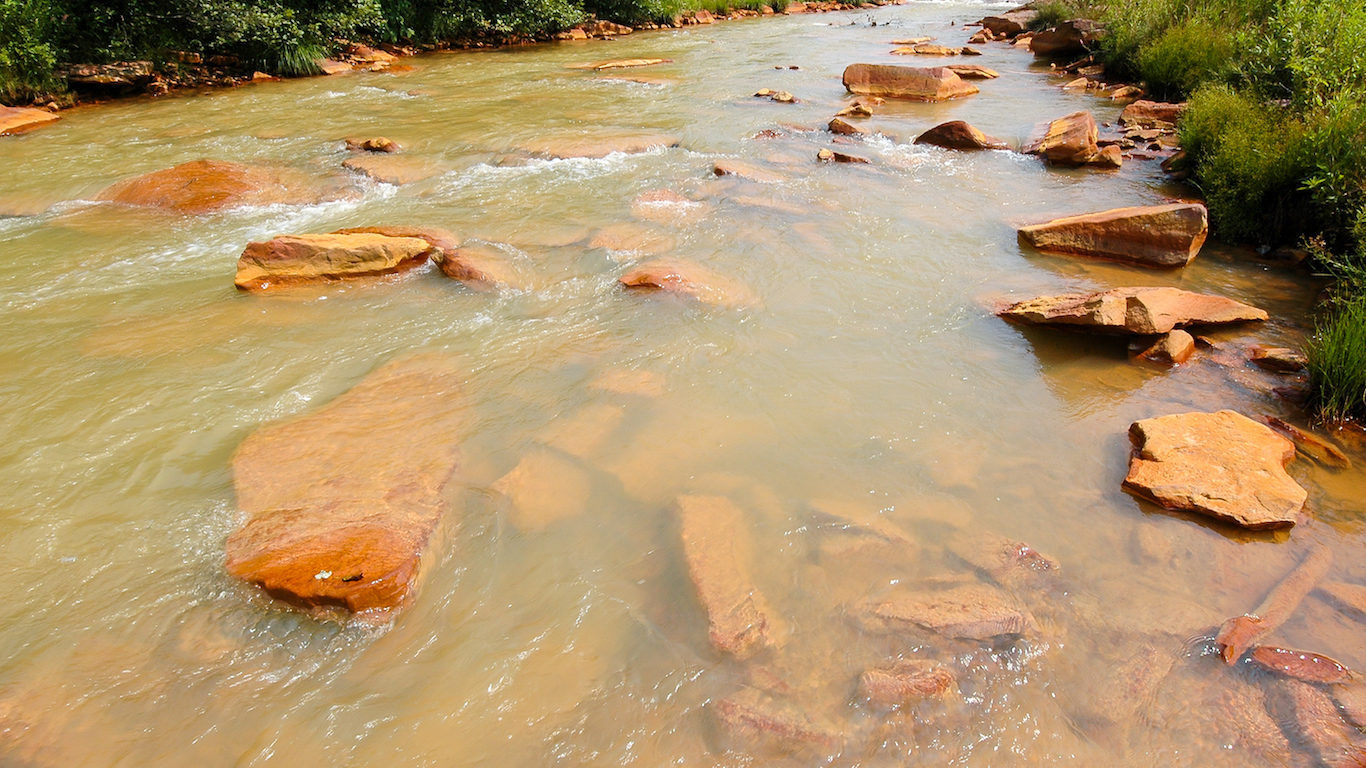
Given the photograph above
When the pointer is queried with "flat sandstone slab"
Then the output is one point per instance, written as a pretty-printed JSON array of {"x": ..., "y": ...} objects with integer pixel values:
[
  {"x": 205, "y": 186},
  {"x": 1223, "y": 465},
  {"x": 1138, "y": 311},
  {"x": 1153, "y": 236},
  {"x": 342, "y": 503},
  {"x": 970, "y": 612},
  {"x": 914, "y": 83},
  {"x": 296, "y": 259},
  {"x": 19, "y": 119}
]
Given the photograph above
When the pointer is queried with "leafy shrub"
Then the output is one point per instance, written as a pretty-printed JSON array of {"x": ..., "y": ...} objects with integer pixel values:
[
  {"x": 461, "y": 18},
  {"x": 634, "y": 11},
  {"x": 1251, "y": 161},
  {"x": 1052, "y": 13},
  {"x": 1183, "y": 58}
]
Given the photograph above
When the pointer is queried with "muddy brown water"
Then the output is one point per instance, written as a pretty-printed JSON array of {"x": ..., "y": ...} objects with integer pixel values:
[{"x": 872, "y": 374}]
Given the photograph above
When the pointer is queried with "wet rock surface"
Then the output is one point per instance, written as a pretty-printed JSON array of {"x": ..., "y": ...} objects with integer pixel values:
[
  {"x": 1240, "y": 633},
  {"x": 1223, "y": 465},
  {"x": 295, "y": 259},
  {"x": 894, "y": 82},
  {"x": 689, "y": 279},
  {"x": 906, "y": 681},
  {"x": 1069, "y": 140},
  {"x": 971, "y": 612},
  {"x": 592, "y": 145},
  {"x": 1162, "y": 236},
  {"x": 334, "y": 517},
  {"x": 957, "y": 134},
  {"x": 1137, "y": 311},
  {"x": 481, "y": 266},
  {"x": 19, "y": 119},
  {"x": 1300, "y": 665}
]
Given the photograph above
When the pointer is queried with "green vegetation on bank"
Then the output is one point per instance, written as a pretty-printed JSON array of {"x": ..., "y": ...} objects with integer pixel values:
[{"x": 1275, "y": 137}]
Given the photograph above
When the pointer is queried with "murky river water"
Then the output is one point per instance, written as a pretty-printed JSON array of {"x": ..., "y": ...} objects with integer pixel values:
[{"x": 872, "y": 374}]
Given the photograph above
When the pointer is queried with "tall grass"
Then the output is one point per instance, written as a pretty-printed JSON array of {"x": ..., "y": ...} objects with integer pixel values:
[{"x": 1336, "y": 355}]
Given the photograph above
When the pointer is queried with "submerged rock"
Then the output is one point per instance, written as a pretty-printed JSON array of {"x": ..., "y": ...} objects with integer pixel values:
[
  {"x": 624, "y": 381},
  {"x": 716, "y": 546},
  {"x": 543, "y": 489},
  {"x": 371, "y": 144},
  {"x": 388, "y": 169},
  {"x": 1240, "y": 633},
  {"x": 295, "y": 259},
  {"x": 599, "y": 146},
  {"x": 1153, "y": 236},
  {"x": 1300, "y": 665},
  {"x": 1316, "y": 448},
  {"x": 599, "y": 66},
  {"x": 1316, "y": 723},
  {"x": 1278, "y": 359},
  {"x": 744, "y": 171},
  {"x": 760, "y": 721},
  {"x": 689, "y": 279},
  {"x": 957, "y": 134},
  {"x": 896, "y": 82},
  {"x": 204, "y": 186},
  {"x": 906, "y": 682},
  {"x": 481, "y": 266},
  {"x": 1349, "y": 597},
  {"x": 1138, "y": 311},
  {"x": 19, "y": 119},
  {"x": 1005, "y": 560},
  {"x": 971, "y": 612},
  {"x": 1223, "y": 465},
  {"x": 335, "y": 514}
]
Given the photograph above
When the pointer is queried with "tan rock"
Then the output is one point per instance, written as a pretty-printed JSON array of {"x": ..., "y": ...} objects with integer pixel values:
[
  {"x": 600, "y": 145},
  {"x": 631, "y": 236},
  {"x": 972, "y": 71},
  {"x": 1223, "y": 465},
  {"x": 841, "y": 126},
  {"x": 19, "y": 119},
  {"x": 860, "y": 517},
  {"x": 906, "y": 682},
  {"x": 896, "y": 82},
  {"x": 336, "y": 513},
  {"x": 1277, "y": 359},
  {"x": 332, "y": 66},
  {"x": 371, "y": 144},
  {"x": 599, "y": 66},
  {"x": 716, "y": 546},
  {"x": 205, "y": 186},
  {"x": 830, "y": 155},
  {"x": 584, "y": 433},
  {"x": 687, "y": 278},
  {"x": 481, "y": 266},
  {"x": 544, "y": 488},
  {"x": 745, "y": 171},
  {"x": 625, "y": 381},
  {"x": 1080, "y": 84},
  {"x": 388, "y": 169},
  {"x": 1171, "y": 348},
  {"x": 1009, "y": 24},
  {"x": 443, "y": 240},
  {"x": 1126, "y": 92},
  {"x": 971, "y": 611},
  {"x": 294, "y": 259},
  {"x": 1069, "y": 140},
  {"x": 1154, "y": 236},
  {"x": 957, "y": 134},
  {"x": 1109, "y": 156},
  {"x": 857, "y": 109},
  {"x": 1139, "y": 311},
  {"x": 927, "y": 49},
  {"x": 1151, "y": 113}
]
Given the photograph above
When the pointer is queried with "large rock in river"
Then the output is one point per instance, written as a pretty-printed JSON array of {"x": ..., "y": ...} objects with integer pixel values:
[
  {"x": 1147, "y": 114},
  {"x": 1223, "y": 465},
  {"x": 342, "y": 504},
  {"x": 294, "y": 259},
  {"x": 1153, "y": 236},
  {"x": 957, "y": 134},
  {"x": 17, "y": 119},
  {"x": 1010, "y": 23},
  {"x": 1069, "y": 140},
  {"x": 895, "y": 82},
  {"x": 1138, "y": 311},
  {"x": 690, "y": 279},
  {"x": 204, "y": 186},
  {"x": 1070, "y": 38}
]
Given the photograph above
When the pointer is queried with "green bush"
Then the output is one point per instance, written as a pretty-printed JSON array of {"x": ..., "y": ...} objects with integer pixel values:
[
  {"x": 634, "y": 11},
  {"x": 1251, "y": 161},
  {"x": 1052, "y": 13},
  {"x": 1336, "y": 356},
  {"x": 1183, "y": 58}
]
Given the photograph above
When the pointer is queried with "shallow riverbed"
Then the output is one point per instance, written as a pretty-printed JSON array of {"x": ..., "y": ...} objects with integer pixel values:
[{"x": 872, "y": 373}]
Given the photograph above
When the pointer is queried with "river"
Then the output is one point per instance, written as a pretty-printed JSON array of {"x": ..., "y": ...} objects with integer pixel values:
[{"x": 871, "y": 373}]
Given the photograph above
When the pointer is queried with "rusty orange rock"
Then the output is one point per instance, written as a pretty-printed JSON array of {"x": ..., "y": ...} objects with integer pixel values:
[
  {"x": 907, "y": 681},
  {"x": 343, "y": 503},
  {"x": 1137, "y": 311},
  {"x": 20, "y": 119},
  {"x": 1300, "y": 665},
  {"x": 957, "y": 134},
  {"x": 1069, "y": 140},
  {"x": 716, "y": 545},
  {"x": 970, "y": 612},
  {"x": 690, "y": 279}
]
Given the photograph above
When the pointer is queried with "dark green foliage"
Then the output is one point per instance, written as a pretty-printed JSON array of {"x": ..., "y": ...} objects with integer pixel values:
[
  {"x": 1052, "y": 13},
  {"x": 1183, "y": 58}
]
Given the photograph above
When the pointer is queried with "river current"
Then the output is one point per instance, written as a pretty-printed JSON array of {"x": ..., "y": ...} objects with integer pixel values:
[{"x": 872, "y": 373}]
